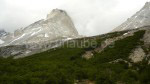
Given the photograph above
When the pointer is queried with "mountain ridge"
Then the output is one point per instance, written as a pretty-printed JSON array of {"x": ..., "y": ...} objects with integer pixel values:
[{"x": 140, "y": 19}]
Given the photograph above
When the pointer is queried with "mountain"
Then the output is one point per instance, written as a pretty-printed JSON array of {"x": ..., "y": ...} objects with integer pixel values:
[
  {"x": 40, "y": 36},
  {"x": 140, "y": 19},
  {"x": 120, "y": 57},
  {"x": 58, "y": 25}
]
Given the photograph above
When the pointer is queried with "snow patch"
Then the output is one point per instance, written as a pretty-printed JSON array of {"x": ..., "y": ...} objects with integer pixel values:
[
  {"x": 125, "y": 33},
  {"x": 33, "y": 33},
  {"x": 46, "y": 35},
  {"x": 27, "y": 52},
  {"x": 20, "y": 36},
  {"x": 1, "y": 41},
  {"x": 36, "y": 32},
  {"x": 68, "y": 39}
]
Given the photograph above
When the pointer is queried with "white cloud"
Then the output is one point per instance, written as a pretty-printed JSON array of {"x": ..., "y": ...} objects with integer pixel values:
[{"x": 91, "y": 17}]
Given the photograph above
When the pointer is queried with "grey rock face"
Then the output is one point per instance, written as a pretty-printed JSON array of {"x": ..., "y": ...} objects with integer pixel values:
[
  {"x": 57, "y": 25},
  {"x": 12, "y": 50},
  {"x": 20, "y": 51},
  {"x": 147, "y": 36},
  {"x": 3, "y": 33},
  {"x": 140, "y": 19},
  {"x": 40, "y": 36}
]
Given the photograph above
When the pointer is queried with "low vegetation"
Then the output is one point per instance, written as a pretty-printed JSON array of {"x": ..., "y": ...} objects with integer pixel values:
[{"x": 66, "y": 65}]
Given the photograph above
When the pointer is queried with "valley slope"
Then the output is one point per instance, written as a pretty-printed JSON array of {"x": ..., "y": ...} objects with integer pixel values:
[{"x": 68, "y": 65}]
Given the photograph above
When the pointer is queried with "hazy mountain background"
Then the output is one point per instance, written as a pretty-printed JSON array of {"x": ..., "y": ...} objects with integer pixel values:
[{"x": 91, "y": 17}]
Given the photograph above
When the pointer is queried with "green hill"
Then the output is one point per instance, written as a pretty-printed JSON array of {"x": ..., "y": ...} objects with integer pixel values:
[{"x": 66, "y": 65}]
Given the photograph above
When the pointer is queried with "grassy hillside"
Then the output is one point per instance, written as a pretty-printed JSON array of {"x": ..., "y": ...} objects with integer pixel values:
[{"x": 65, "y": 65}]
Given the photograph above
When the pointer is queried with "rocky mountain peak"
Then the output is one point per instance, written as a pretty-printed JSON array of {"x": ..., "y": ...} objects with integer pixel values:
[
  {"x": 147, "y": 5},
  {"x": 140, "y": 19},
  {"x": 58, "y": 25},
  {"x": 56, "y": 13}
]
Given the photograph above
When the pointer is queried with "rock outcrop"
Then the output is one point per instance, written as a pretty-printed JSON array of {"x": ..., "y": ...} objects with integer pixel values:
[{"x": 138, "y": 55}]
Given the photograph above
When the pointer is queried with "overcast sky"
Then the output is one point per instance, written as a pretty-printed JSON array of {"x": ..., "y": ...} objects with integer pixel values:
[{"x": 91, "y": 17}]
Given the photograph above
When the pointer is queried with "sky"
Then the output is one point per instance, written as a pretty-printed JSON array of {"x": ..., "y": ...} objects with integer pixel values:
[{"x": 90, "y": 17}]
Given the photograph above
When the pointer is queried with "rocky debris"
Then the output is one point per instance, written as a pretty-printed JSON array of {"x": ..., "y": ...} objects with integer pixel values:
[
  {"x": 138, "y": 55},
  {"x": 88, "y": 55},
  {"x": 110, "y": 41},
  {"x": 121, "y": 60},
  {"x": 140, "y": 19},
  {"x": 106, "y": 43}
]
